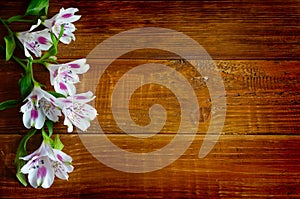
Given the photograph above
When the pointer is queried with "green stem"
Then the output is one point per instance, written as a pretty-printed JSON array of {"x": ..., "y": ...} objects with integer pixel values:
[
  {"x": 31, "y": 72},
  {"x": 20, "y": 62},
  {"x": 19, "y": 18},
  {"x": 23, "y": 20},
  {"x": 36, "y": 83},
  {"x": 21, "y": 152},
  {"x": 28, "y": 68},
  {"x": 39, "y": 61},
  {"x": 6, "y": 26}
]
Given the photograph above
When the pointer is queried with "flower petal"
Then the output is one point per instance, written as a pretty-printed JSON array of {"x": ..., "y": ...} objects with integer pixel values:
[
  {"x": 77, "y": 120},
  {"x": 82, "y": 124},
  {"x": 61, "y": 156},
  {"x": 68, "y": 168},
  {"x": 27, "y": 119},
  {"x": 66, "y": 39},
  {"x": 27, "y": 54},
  {"x": 26, "y": 107},
  {"x": 43, "y": 150},
  {"x": 79, "y": 66},
  {"x": 40, "y": 120},
  {"x": 48, "y": 177},
  {"x": 63, "y": 11},
  {"x": 88, "y": 111},
  {"x": 28, "y": 166},
  {"x": 63, "y": 164},
  {"x": 69, "y": 19},
  {"x": 84, "y": 97},
  {"x": 35, "y": 26},
  {"x": 61, "y": 173},
  {"x": 32, "y": 178},
  {"x": 44, "y": 39},
  {"x": 60, "y": 87},
  {"x": 67, "y": 75},
  {"x": 69, "y": 124},
  {"x": 53, "y": 69},
  {"x": 69, "y": 28},
  {"x": 64, "y": 88},
  {"x": 67, "y": 15},
  {"x": 31, "y": 46},
  {"x": 50, "y": 110}
]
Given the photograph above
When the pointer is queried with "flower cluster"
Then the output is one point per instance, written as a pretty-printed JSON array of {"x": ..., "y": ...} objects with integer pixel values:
[
  {"x": 41, "y": 105},
  {"x": 37, "y": 41},
  {"x": 42, "y": 108},
  {"x": 45, "y": 163}
]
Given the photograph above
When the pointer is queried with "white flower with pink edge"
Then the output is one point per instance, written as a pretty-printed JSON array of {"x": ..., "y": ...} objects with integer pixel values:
[
  {"x": 64, "y": 76},
  {"x": 44, "y": 164},
  {"x": 39, "y": 106},
  {"x": 77, "y": 112},
  {"x": 64, "y": 17},
  {"x": 35, "y": 42}
]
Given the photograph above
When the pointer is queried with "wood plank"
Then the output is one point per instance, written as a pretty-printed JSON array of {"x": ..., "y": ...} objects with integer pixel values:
[
  {"x": 238, "y": 166},
  {"x": 262, "y": 96},
  {"x": 226, "y": 29}
]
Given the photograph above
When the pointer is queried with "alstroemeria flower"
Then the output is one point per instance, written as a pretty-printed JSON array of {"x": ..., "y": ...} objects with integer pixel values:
[
  {"x": 39, "y": 105},
  {"x": 77, "y": 112},
  {"x": 64, "y": 76},
  {"x": 62, "y": 165},
  {"x": 35, "y": 42},
  {"x": 44, "y": 163},
  {"x": 64, "y": 17},
  {"x": 39, "y": 168}
]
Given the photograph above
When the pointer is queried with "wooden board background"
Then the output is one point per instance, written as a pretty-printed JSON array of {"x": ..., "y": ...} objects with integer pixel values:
[{"x": 256, "y": 47}]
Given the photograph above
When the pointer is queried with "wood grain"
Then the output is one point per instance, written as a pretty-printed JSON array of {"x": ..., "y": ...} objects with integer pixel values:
[
  {"x": 256, "y": 47},
  {"x": 238, "y": 166}
]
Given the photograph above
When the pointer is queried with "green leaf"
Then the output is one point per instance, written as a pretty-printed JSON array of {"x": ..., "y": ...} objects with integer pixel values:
[
  {"x": 8, "y": 104},
  {"x": 10, "y": 46},
  {"x": 26, "y": 85},
  {"x": 57, "y": 95},
  {"x": 21, "y": 152},
  {"x": 14, "y": 18},
  {"x": 37, "y": 7},
  {"x": 57, "y": 144},
  {"x": 20, "y": 176},
  {"x": 49, "y": 125}
]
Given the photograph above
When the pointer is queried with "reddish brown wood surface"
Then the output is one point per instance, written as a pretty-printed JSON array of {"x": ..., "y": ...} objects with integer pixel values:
[{"x": 256, "y": 47}]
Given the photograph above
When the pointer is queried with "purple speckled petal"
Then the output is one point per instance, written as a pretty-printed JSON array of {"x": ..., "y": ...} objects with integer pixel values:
[
  {"x": 59, "y": 157},
  {"x": 74, "y": 65},
  {"x": 34, "y": 114},
  {"x": 42, "y": 172},
  {"x": 42, "y": 40},
  {"x": 62, "y": 86},
  {"x": 67, "y": 15}
]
